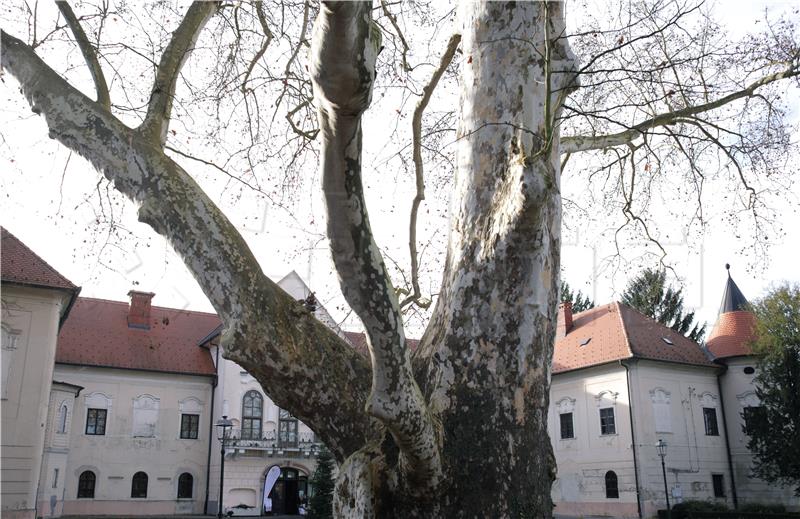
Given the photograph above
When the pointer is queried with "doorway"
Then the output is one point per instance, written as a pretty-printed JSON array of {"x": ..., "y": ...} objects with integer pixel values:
[{"x": 290, "y": 491}]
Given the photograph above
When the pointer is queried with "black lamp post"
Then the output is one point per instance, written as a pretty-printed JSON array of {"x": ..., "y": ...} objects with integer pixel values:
[
  {"x": 661, "y": 445},
  {"x": 222, "y": 434}
]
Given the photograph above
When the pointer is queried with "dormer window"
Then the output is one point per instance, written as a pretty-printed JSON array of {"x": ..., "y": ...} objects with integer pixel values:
[
  {"x": 586, "y": 341},
  {"x": 667, "y": 340}
]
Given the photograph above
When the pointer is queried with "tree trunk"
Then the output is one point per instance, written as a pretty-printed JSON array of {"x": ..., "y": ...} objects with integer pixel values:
[
  {"x": 484, "y": 363},
  {"x": 460, "y": 428}
]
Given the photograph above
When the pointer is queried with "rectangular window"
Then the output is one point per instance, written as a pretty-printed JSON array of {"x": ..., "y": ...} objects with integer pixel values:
[
  {"x": 719, "y": 485},
  {"x": 96, "y": 422},
  {"x": 567, "y": 430},
  {"x": 607, "y": 424},
  {"x": 190, "y": 423},
  {"x": 753, "y": 416},
  {"x": 55, "y": 478},
  {"x": 710, "y": 419}
]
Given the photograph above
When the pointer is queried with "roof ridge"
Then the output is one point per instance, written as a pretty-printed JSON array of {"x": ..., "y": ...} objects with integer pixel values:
[
  {"x": 4, "y": 231},
  {"x": 125, "y": 303}
]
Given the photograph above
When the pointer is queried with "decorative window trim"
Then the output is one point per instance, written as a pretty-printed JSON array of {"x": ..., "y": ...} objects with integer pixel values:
[
  {"x": 145, "y": 402},
  {"x": 659, "y": 395},
  {"x": 565, "y": 405},
  {"x": 708, "y": 399},
  {"x": 662, "y": 412},
  {"x": 191, "y": 405},
  {"x": 603, "y": 398}
]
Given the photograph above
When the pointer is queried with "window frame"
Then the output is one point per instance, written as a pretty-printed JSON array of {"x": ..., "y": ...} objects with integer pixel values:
[
  {"x": 252, "y": 415},
  {"x": 182, "y": 486},
  {"x": 193, "y": 419},
  {"x": 63, "y": 414},
  {"x": 570, "y": 434},
  {"x": 94, "y": 421},
  {"x": 606, "y": 428},
  {"x": 84, "y": 488},
  {"x": 718, "y": 484},
  {"x": 288, "y": 430},
  {"x": 611, "y": 476},
  {"x": 711, "y": 426},
  {"x": 139, "y": 493}
]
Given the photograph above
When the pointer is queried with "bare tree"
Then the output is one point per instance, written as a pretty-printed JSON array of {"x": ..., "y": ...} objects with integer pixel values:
[{"x": 459, "y": 428}]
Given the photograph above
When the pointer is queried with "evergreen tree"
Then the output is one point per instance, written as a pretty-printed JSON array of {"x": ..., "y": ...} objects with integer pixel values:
[
  {"x": 322, "y": 481},
  {"x": 578, "y": 300},
  {"x": 648, "y": 293},
  {"x": 774, "y": 428}
]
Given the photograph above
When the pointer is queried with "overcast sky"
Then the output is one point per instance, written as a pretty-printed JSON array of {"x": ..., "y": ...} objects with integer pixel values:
[{"x": 49, "y": 202}]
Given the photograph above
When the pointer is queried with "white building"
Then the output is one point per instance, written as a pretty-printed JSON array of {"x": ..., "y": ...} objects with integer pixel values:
[
  {"x": 35, "y": 302},
  {"x": 127, "y": 425},
  {"x": 622, "y": 382},
  {"x": 131, "y": 426}
]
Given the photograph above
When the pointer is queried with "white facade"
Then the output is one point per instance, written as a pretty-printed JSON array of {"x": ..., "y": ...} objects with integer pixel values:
[
  {"x": 141, "y": 432},
  {"x": 30, "y": 320},
  {"x": 669, "y": 402},
  {"x": 279, "y": 440}
]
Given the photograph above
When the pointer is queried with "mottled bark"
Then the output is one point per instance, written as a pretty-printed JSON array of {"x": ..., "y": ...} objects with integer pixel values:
[
  {"x": 489, "y": 344},
  {"x": 266, "y": 331},
  {"x": 486, "y": 355},
  {"x": 344, "y": 49}
]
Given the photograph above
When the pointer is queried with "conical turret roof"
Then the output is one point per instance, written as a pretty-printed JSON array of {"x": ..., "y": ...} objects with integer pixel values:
[
  {"x": 732, "y": 299},
  {"x": 734, "y": 330}
]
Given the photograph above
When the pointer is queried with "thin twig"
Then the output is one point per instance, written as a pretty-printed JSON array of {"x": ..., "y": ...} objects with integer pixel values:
[{"x": 416, "y": 125}]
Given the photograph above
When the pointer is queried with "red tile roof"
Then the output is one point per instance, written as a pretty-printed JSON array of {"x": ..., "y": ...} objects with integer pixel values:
[
  {"x": 21, "y": 265},
  {"x": 732, "y": 334},
  {"x": 615, "y": 332},
  {"x": 97, "y": 334}
]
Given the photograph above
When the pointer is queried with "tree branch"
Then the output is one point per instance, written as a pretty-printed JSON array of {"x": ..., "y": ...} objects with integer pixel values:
[
  {"x": 416, "y": 130},
  {"x": 159, "y": 109},
  {"x": 266, "y": 330},
  {"x": 393, "y": 20},
  {"x": 598, "y": 142},
  {"x": 89, "y": 54},
  {"x": 344, "y": 49}
]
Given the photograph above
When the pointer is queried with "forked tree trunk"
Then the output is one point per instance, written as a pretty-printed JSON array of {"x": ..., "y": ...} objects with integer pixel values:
[
  {"x": 484, "y": 363},
  {"x": 460, "y": 428}
]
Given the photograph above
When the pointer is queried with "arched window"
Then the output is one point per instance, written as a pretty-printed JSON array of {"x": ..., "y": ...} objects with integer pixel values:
[
  {"x": 86, "y": 485},
  {"x": 185, "y": 486},
  {"x": 612, "y": 488},
  {"x": 287, "y": 429},
  {"x": 252, "y": 412},
  {"x": 62, "y": 418},
  {"x": 139, "y": 485}
]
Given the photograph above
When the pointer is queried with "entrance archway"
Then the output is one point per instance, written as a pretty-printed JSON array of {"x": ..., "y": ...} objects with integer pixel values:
[{"x": 289, "y": 492}]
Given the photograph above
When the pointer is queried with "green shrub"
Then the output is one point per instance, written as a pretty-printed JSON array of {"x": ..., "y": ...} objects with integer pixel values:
[
  {"x": 681, "y": 510},
  {"x": 763, "y": 508}
]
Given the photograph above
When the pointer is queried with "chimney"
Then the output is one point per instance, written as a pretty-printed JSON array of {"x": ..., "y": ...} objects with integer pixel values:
[
  {"x": 139, "y": 311},
  {"x": 564, "y": 322}
]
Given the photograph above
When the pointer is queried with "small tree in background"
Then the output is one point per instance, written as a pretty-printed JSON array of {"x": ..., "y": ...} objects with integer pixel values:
[
  {"x": 579, "y": 301},
  {"x": 321, "y": 502},
  {"x": 649, "y": 293},
  {"x": 774, "y": 429}
]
